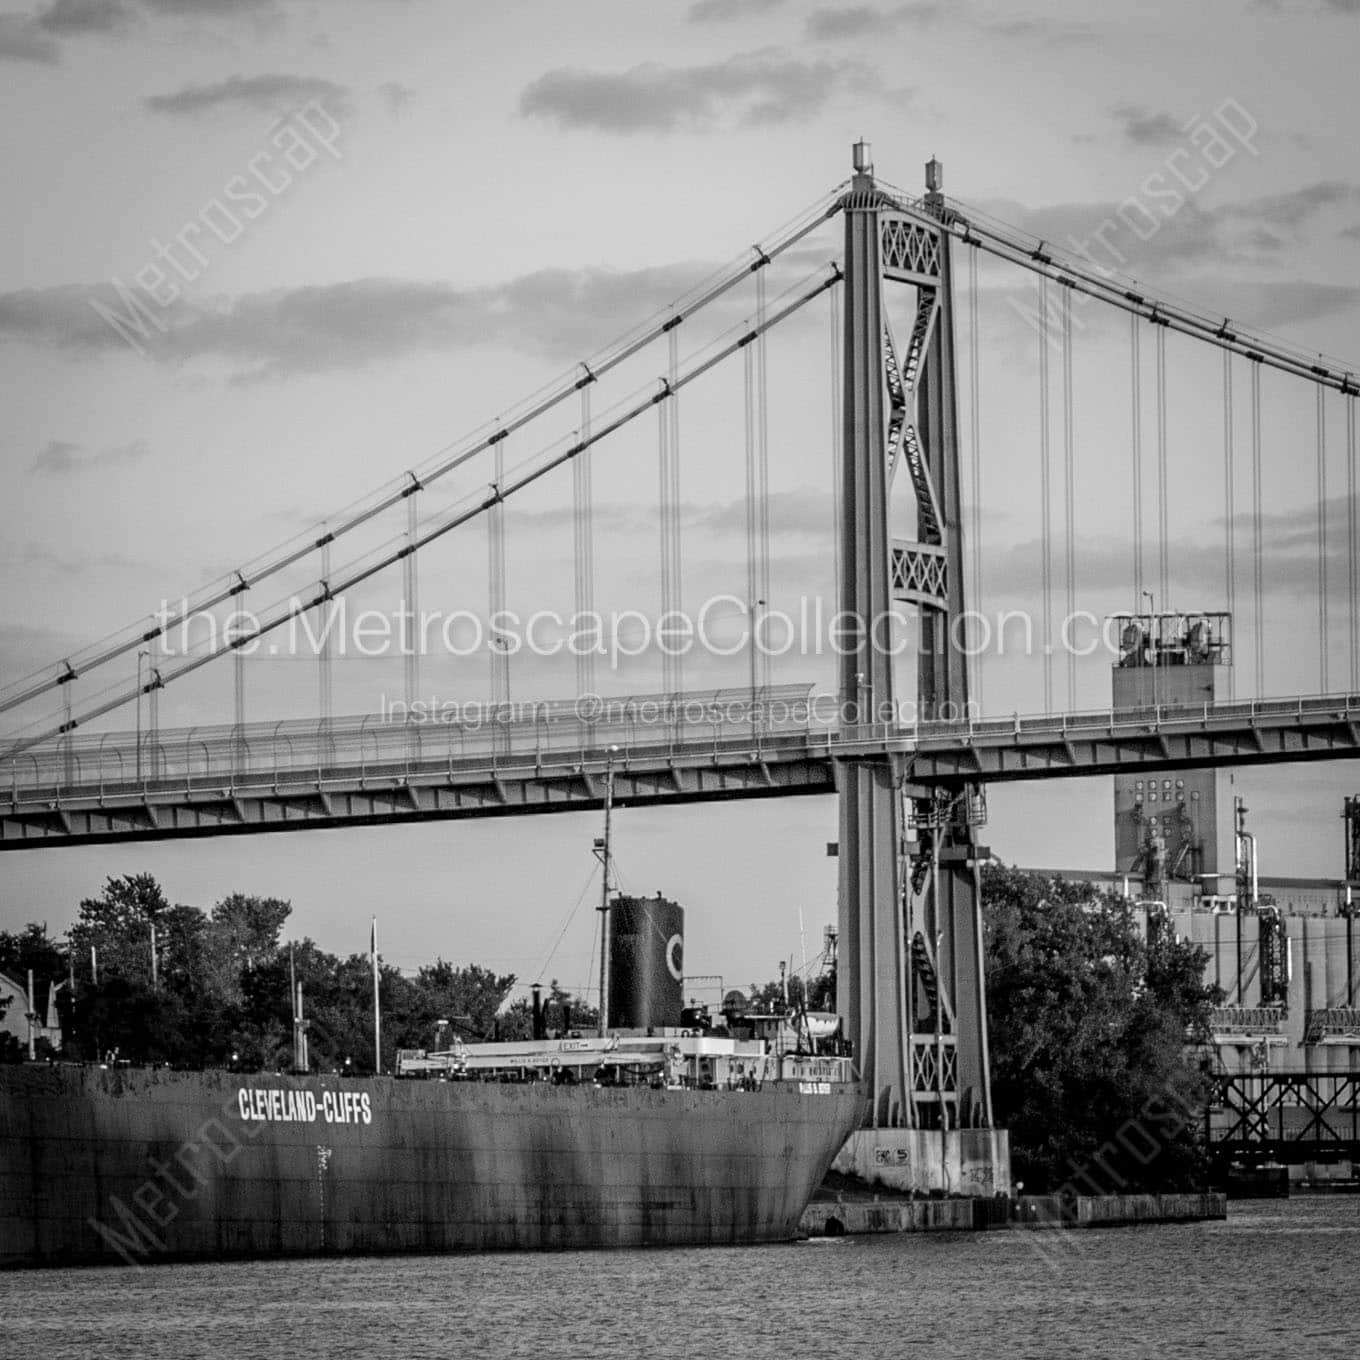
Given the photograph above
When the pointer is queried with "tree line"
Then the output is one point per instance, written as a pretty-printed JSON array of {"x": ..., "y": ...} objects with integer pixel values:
[{"x": 146, "y": 981}]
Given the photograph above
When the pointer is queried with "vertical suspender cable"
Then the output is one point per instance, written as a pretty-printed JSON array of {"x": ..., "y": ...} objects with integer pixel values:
[
  {"x": 752, "y": 534},
  {"x": 663, "y": 501},
  {"x": 1136, "y": 413},
  {"x": 153, "y": 705},
  {"x": 834, "y": 296},
  {"x": 975, "y": 459},
  {"x": 673, "y": 413},
  {"x": 238, "y": 668},
  {"x": 762, "y": 469},
  {"x": 1045, "y": 532},
  {"x": 1229, "y": 505},
  {"x": 323, "y": 651},
  {"x": 1163, "y": 506},
  {"x": 584, "y": 554},
  {"x": 1322, "y": 536},
  {"x": 1256, "y": 543},
  {"x": 495, "y": 549},
  {"x": 1352, "y": 548},
  {"x": 68, "y": 751},
  {"x": 411, "y": 605},
  {"x": 1069, "y": 508},
  {"x": 667, "y": 499}
]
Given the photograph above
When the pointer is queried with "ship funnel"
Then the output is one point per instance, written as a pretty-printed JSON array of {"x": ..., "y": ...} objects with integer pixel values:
[{"x": 646, "y": 962}]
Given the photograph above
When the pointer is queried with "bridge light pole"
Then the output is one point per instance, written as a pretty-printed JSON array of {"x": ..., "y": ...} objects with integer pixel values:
[
  {"x": 141, "y": 656},
  {"x": 1155, "y": 635},
  {"x": 754, "y": 611}
]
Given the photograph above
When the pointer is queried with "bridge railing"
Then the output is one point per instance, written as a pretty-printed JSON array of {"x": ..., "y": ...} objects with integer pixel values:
[
  {"x": 1340, "y": 706},
  {"x": 490, "y": 736},
  {"x": 372, "y": 746}
]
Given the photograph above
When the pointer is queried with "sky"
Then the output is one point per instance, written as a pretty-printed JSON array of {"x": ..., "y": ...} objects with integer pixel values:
[{"x": 434, "y": 209}]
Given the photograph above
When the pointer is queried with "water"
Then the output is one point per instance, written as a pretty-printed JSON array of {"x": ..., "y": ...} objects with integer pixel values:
[{"x": 1276, "y": 1280}]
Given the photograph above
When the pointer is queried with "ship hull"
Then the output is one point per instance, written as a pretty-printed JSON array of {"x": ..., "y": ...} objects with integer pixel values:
[{"x": 145, "y": 1166}]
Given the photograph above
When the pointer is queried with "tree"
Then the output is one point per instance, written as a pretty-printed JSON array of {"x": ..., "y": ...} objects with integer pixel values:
[
  {"x": 178, "y": 1010},
  {"x": 248, "y": 928},
  {"x": 468, "y": 997},
  {"x": 117, "y": 925},
  {"x": 816, "y": 993},
  {"x": 32, "y": 948},
  {"x": 1091, "y": 1071}
]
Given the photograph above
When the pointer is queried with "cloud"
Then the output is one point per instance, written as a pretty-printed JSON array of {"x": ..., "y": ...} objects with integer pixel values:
[
  {"x": 752, "y": 89},
  {"x": 1104, "y": 569},
  {"x": 1257, "y": 231},
  {"x": 216, "y": 9},
  {"x": 862, "y": 21},
  {"x": 37, "y": 36},
  {"x": 1346, "y": 7},
  {"x": 562, "y": 314},
  {"x": 32, "y": 558},
  {"x": 846, "y": 22},
  {"x": 21, "y": 39},
  {"x": 58, "y": 458},
  {"x": 722, "y": 11},
  {"x": 1044, "y": 30},
  {"x": 86, "y": 16},
  {"x": 396, "y": 96},
  {"x": 801, "y": 513},
  {"x": 796, "y": 514},
  {"x": 264, "y": 94},
  {"x": 1143, "y": 126}
]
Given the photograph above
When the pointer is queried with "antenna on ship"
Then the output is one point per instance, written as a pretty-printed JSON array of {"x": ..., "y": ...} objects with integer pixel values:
[{"x": 602, "y": 854}]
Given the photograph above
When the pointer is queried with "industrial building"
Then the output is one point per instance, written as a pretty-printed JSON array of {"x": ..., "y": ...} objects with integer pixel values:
[{"x": 1283, "y": 951}]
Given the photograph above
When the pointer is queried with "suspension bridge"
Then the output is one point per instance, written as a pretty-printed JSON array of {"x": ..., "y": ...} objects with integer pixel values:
[{"x": 907, "y": 417}]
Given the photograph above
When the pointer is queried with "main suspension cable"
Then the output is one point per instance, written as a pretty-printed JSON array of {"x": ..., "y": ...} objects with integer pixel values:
[
  {"x": 438, "y": 465},
  {"x": 435, "y": 529}
]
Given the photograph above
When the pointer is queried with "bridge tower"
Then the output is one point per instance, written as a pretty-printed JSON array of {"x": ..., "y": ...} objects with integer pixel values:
[{"x": 910, "y": 983}]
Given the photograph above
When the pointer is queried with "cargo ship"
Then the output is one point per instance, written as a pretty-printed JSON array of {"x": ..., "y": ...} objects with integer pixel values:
[{"x": 662, "y": 1129}]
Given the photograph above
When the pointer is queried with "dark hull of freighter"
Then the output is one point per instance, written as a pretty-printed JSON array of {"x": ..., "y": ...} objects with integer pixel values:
[{"x": 126, "y": 1165}]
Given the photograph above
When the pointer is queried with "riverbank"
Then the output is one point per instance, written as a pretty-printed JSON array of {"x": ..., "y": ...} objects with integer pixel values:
[{"x": 844, "y": 1216}]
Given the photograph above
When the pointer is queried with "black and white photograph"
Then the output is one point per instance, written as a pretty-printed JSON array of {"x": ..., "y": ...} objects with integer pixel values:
[{"x": 679, "y": 678}]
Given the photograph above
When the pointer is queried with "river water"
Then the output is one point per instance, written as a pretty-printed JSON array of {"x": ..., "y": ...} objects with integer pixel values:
[{"x": 1278, "y": 1279}]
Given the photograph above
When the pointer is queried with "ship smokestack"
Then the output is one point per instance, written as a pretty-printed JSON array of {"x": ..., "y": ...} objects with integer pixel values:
[{"x": 646, "y": 965}]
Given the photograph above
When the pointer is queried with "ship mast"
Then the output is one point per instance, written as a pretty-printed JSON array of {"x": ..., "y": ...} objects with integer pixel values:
[{"x": 602, "y": 851}]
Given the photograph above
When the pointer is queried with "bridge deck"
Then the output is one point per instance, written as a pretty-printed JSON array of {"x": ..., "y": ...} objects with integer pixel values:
[{"x": 363, "y": 770}]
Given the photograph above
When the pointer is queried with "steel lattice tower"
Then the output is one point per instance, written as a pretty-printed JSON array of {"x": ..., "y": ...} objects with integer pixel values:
[{"x": 910, "y": 955}]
